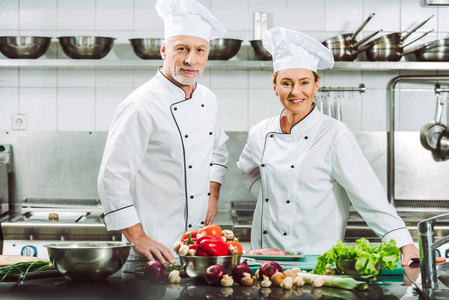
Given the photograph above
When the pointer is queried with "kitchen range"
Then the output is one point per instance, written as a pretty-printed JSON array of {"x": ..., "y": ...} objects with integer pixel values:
[{"x": 46, "y": 221}]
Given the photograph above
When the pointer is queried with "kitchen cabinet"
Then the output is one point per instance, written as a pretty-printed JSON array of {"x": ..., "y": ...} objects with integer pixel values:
[{"x": 216, "y": 64}]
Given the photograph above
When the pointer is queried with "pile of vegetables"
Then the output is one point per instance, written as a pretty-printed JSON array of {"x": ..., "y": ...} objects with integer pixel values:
[
  {"x": 211, "y": 240},
  {"x": 23, "y": 268},
  {"x": 271, "y": 274},
  {"x": 365, "y": 255}
]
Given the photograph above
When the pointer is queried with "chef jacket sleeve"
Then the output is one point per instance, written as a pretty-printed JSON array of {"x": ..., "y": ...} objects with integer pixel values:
[
  {"x": 219, "y": 154},
  {"x": 250, "y": 169},
  {"x": 124, "y": 151},
  {"x": 353, "y": 172}
]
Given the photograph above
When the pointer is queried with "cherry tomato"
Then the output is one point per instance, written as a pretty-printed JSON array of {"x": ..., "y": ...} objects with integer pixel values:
[
  {"x": 236, "y": 245},
  {"x": 186, "y": 235},
  {"x": 212, "y": 229}
]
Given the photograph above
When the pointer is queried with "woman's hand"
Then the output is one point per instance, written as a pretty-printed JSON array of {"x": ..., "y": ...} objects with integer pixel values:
[{"x": 408, "y": 252}]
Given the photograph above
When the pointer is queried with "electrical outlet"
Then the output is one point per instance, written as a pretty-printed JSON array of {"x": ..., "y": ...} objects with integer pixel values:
[{"x": 19, "y": 122}]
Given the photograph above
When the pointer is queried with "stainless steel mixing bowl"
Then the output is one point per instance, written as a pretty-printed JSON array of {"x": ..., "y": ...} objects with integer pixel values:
[
  {"x": 88, "y": 260},
  {"x": 195, "y": 266},
  {"x": 224, "y": 49},
  {"x": 260, "y": 51},
  {"x": 24, "y": 46},
  {"x": 147, "y": 48},
  {"x": 86, "y": 47}
]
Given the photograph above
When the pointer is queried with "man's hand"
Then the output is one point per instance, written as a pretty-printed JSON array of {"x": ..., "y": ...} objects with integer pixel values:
[
  {"x": 147, "y": 247},
  {"x": 213, "y": 201},
  {"x": 408, "y": 252}
]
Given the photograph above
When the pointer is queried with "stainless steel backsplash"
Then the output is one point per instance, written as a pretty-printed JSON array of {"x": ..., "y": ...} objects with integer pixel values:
[{"x": 65, "y": 165}]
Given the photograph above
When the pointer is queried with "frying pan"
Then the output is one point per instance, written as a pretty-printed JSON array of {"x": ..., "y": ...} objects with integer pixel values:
[
  {"x": 442, "y": 152},
  {"x": 433, "y": 53},
  {"x": 390, "y": 47},
  {"x": 344, "y": 47},
  {"x": 396, "y": 39},
  {"x": 347, "y": 50},
  {"x": 378, "y": 53},
  {"x": 430, "y": 132}
]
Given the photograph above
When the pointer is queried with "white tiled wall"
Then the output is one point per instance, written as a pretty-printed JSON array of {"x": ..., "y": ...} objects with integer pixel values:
[{"x": 62, "y": 99}]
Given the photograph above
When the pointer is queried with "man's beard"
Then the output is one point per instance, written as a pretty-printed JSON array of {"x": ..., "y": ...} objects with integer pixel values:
[{"x": 185, "y": 80}]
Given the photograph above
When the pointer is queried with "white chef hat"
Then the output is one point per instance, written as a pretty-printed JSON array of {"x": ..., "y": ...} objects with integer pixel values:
[
  {"x": 292, "y": 49},
  {"x": 188, "y": 17}
]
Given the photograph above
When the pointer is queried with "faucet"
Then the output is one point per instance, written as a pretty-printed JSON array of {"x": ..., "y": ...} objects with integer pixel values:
[{"x": 427, "y": 247}]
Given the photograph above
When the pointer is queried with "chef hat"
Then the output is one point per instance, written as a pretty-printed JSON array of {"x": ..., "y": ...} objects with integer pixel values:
[
  {"x": 292, "y": 49},
  {"x": 188, "y": 17}
]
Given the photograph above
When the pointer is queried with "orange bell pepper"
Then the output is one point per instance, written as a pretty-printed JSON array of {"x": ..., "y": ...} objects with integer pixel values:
[{"x": 212, "y": 229}]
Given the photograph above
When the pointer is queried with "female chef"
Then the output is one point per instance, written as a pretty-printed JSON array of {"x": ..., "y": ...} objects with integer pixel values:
[{"x": 306, "y": 168}]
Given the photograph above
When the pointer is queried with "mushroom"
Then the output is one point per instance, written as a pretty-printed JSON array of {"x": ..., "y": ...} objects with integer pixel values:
[
  {"x": 228, "y": 234},
  {"x": 174, "y": 277},
  {"x": 287, "y": 283},
  {"x": 277, "y": 278},
  {"x": 299, "y": 281},
  {"x": 291, "y": 273},
  {"x": 176, "y": 246},
  {"x": 247, "y": 279},
  {"x": 183, "y": 250},
  {"x": 265, "y": 282},
  {"x": 227, "y": 280},
  {"x": 317, "y": 281}
]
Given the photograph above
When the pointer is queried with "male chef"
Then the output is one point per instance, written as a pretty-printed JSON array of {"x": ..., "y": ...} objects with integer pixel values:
[{"x": 165, "y": 156}]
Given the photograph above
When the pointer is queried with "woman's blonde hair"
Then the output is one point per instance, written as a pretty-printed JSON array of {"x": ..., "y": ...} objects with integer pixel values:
[{"x": 275, "y": 75}]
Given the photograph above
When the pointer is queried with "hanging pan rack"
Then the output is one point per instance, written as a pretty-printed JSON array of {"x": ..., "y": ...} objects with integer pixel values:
[{"x": 361, "y": 89}]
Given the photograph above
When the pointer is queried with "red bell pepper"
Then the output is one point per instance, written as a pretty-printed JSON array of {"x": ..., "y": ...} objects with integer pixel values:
[
  {"x": 189, "y": 241},
  {"x": 210, "y": 245}
]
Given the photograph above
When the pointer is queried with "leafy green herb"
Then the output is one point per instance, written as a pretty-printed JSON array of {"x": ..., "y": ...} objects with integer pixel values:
[
  {"x": 366, "y": 256},
  {"x": 23, "y": 268},
  {"x": 173, "y": 267}
]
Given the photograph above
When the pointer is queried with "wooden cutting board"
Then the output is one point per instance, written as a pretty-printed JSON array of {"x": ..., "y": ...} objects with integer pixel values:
[{"x": 7, "y": 260}]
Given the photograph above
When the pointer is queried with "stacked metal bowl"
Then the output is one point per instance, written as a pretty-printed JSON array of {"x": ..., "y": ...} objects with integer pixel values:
[
  {"x": 259, "y": 50},
  {"x": 86, "y": 47},
  {"x": 147, "y": 48},
  {"x": 224, "y": 49},
  {"x": 24, "y": 47}
]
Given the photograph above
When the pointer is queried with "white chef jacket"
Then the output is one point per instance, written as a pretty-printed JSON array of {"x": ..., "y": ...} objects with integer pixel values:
[
  {"x": 305, "y": 182},
  {"x": 161, "y": 153}
]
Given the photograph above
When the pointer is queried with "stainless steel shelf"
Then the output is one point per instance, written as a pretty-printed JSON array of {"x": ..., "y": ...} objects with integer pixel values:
[{"x": 213, "y": 64}]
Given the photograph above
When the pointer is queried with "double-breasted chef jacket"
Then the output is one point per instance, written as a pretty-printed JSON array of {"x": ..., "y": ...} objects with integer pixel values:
[
  {"x": 305, "y": 181},
  {"x": 161, "y": 153}
]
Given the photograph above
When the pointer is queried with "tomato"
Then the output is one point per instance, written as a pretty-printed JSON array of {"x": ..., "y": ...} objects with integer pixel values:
[
  {"x": 236, "y": 245},
  {"x": 186, "y": 235},
  {"x": 212, "y": 229}
]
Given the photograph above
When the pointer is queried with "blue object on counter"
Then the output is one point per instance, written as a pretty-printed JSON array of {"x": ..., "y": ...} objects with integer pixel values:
[{"x": 29, "y": 250}]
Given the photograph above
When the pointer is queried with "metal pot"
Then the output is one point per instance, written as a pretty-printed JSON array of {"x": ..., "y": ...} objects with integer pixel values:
[
  {"x": 390, "y": 47},
  {"x": 344, "y": 47},
  {"x": 430, "y": 132}
]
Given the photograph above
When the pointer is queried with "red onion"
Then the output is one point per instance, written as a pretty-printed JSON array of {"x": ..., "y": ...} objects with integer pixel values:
[
  {"x": 155, "y": 272},
  {"x": 237, "y": 272},
  {"x": 268, "y": 268},
  {"x": 214, "y": 274}
]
